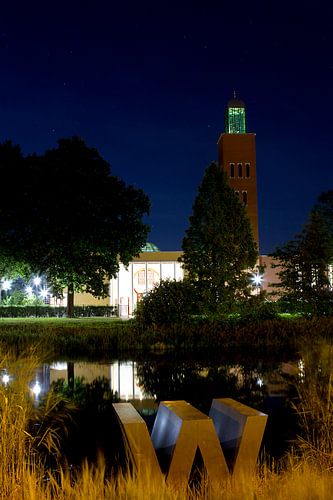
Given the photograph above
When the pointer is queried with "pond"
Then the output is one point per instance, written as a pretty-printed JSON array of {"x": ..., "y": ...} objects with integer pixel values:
[{"x": 265, "y": 383}]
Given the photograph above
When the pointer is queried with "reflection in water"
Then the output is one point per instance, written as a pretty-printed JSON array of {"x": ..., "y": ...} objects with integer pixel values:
[
  {"x": 93, "y": 386},
  {"x": 165, "y": 379},
  {"x": 124, "y": 381}
]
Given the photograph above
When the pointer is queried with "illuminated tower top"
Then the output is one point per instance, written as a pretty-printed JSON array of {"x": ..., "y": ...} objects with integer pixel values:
[{"x": 235, "y": 117}]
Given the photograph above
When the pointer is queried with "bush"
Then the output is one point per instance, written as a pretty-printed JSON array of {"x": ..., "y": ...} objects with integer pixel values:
[
  {"x": 45, "y": 311},
  {"x": 257, "y": 308},
  {"x": 170, "y": 302}
]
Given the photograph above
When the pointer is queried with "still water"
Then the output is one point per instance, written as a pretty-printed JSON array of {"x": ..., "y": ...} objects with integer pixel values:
[{"x": 266, "y": 383}]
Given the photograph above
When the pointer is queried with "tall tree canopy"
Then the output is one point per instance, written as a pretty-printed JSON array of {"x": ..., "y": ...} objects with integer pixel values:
[
  {"x": 218, "y": 246},
  {"x": 303, "y": 263},
  {"x": 68, "y": 217},
  {"x": 324, "y": 207}
]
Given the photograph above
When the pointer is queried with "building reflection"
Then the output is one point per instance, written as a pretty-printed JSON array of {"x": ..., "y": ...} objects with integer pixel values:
[
  {"x": 144, "y": 383},
  {"x": 122, "y": 377}
]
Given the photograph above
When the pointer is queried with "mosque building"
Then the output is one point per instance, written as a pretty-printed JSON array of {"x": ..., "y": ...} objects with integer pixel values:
[
  {"x": 237, "y": 157},
  {"x": 142, "y": 274}
]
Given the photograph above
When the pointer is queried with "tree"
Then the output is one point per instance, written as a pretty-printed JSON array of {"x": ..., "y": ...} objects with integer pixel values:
[
  {"x": 304, "y": 279},
  {"x": 12, "y": 269},
  {"x": 324, "y": 207},
  {"x": 70, "y": 219},
  {"x": 218, "y": 245}
]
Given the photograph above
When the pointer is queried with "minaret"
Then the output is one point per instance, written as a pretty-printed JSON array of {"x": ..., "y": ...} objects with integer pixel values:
[{"x": 237, "y": 157}]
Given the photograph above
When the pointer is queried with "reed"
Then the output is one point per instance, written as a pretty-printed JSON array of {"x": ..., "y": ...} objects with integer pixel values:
[
  {"x": 314, "y": 405},
  {"x": 299, "y": 483}
]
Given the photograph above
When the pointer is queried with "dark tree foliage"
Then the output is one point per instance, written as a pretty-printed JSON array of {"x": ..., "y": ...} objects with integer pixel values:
[
  {"x": 304, "y": 268},
  {"x": 218, "y": 246},
  {"x": 68, "y": 217},
  {"x": 324, "y": 207}
]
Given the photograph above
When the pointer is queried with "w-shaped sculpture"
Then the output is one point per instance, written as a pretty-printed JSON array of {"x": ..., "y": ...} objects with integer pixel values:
[{"x": 229, "y": 439}]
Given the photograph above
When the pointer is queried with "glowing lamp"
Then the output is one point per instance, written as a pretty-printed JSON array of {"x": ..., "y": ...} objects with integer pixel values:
[
  {"x": 36, "y": 389},
  {"x": 257, "y": 279},
  {"x": 6, "y": 284}
]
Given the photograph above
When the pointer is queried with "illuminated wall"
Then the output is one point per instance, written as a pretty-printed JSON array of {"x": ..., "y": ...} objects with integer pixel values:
[{"x": 141, "y": 276}]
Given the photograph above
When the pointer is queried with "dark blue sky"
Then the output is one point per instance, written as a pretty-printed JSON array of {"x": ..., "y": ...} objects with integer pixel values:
[{"x": 147, "y": 84}]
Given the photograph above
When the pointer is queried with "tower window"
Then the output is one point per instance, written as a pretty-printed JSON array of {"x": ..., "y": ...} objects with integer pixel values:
[
  {"x": 232, "y": 170},
  {"x": 247, "y": 170},
  {"x": 244, "y": 198},
  {"x": 237, "y": 194},
  {"x": 240, "y": 170}
]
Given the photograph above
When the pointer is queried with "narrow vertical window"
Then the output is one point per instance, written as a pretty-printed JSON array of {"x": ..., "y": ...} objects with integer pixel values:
[
  {"x": 237, "y": 194},
  {"x": 150, "y": 277},
  {"x": 232, "y": 170},
  {"x": 141, "y": 278},
  {"x": 247, "y": 170},
  {"x": 240, "y": 170},
  {"x": 244, "y": 198}
]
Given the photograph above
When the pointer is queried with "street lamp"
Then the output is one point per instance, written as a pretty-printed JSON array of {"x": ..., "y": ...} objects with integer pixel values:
[
  {"x": 257, "y": 281},
  {"x": 44, "y": 293},
  {"x": 5, "y": 285},
  {"x": 37, "y": 280}
]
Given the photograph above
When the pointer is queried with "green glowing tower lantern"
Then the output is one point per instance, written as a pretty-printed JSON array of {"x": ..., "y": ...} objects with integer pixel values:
[{"x": 235, "y": 117}]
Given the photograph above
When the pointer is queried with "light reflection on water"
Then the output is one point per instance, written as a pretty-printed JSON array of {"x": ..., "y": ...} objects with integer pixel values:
[
  {"x": 122, "y": 378},
  {"x": 146, "y": 382}
]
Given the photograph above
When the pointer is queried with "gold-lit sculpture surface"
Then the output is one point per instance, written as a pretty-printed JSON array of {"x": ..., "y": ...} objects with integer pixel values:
[{"x": 228, "y": 439}]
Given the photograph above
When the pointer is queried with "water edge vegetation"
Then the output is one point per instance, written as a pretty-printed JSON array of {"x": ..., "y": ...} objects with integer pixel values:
[{"x": 113, "y": 335}]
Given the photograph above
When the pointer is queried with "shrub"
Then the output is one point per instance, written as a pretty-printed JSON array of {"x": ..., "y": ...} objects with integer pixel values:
[
  {"x": 45, "y": 311},
  {"x": 170, "y": 302},
  {"x": 257, "y": 309}
]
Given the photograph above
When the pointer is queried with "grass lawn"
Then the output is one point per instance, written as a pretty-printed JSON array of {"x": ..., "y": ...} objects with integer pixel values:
[
  {"x": 97, "y": 322},
  {"x": 68, "y": 335}
]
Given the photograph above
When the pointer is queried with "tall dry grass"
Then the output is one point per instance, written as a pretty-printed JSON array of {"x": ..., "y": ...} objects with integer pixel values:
[
  {"x": 314, "y": 405},
  {"x": 16, "y": 443},
  {"x": 296, "y": 483}
]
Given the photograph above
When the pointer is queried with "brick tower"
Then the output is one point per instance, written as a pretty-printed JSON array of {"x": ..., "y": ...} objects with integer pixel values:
[{"x": 237, "y": 157}]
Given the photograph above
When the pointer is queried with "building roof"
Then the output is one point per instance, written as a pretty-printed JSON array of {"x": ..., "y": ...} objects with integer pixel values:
[
  {"x": 158, "y": 256},
  {"x": 235, "y": 103}
]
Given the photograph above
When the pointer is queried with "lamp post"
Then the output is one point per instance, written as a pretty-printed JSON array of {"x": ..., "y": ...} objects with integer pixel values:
[
  {"x": 6, "y": 285},
  {"x": 36, "y": 281}
]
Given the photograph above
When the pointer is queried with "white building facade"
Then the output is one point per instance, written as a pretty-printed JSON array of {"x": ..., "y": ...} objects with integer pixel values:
[{"x": 141, "y": 276}]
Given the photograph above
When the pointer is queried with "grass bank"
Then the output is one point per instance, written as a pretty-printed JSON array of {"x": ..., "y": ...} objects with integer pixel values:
[
  {"x": 92, "y": 335},
  {"x": 64, "y": 335}
]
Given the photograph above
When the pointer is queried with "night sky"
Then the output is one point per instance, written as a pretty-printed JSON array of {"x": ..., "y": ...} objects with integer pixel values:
[{"x": 147, "y": 84}]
